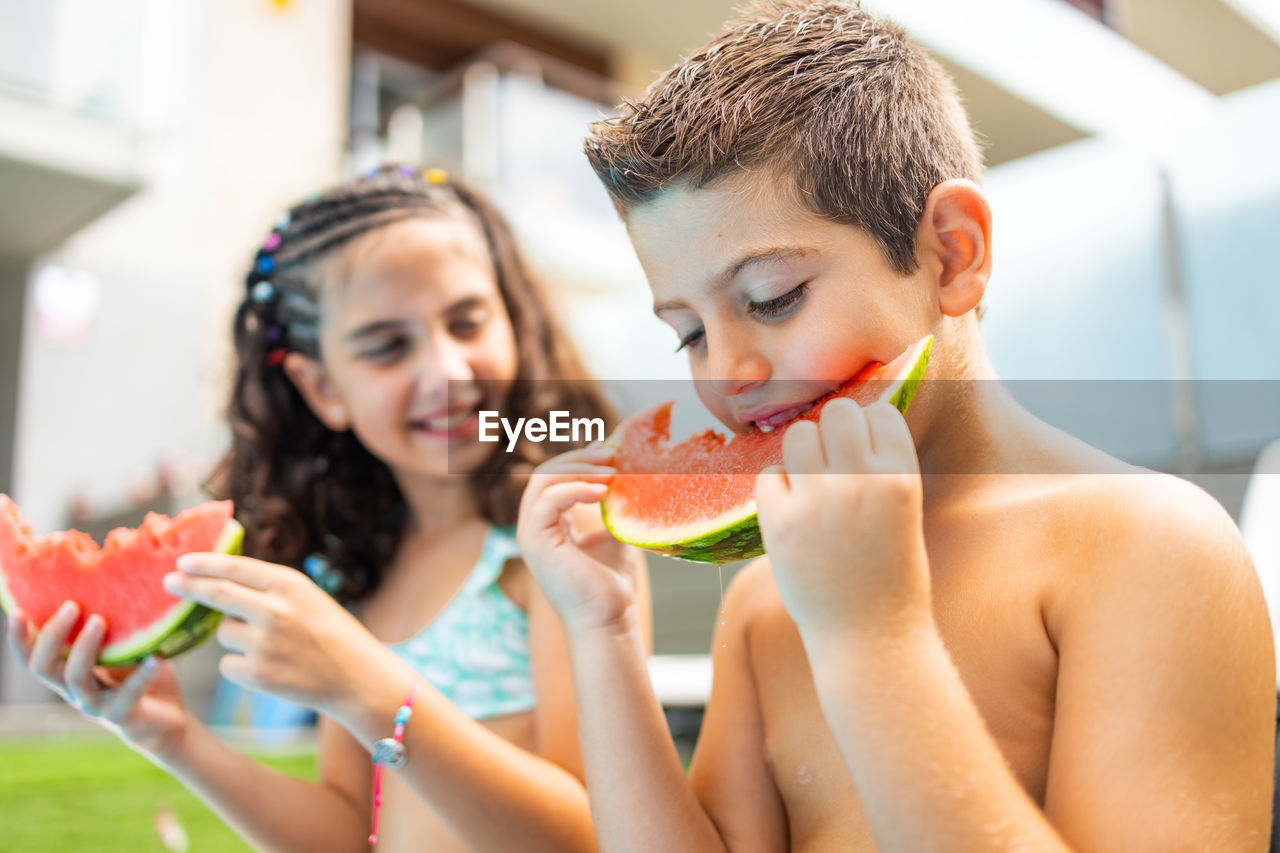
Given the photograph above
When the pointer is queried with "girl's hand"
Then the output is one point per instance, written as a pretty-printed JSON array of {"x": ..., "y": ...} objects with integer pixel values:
[
  {"x": 286, "y": 636},
  {"x": 141, "y": 705},
  {"x": 585, "y": 573},
  {"x": 843, "y": 523}
]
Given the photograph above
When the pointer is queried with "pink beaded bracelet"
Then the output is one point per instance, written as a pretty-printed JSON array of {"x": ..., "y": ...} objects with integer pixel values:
[{"x": 389, "y": 752}]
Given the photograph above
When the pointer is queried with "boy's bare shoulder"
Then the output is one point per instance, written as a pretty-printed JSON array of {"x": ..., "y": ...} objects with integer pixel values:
[
  {"x": 1148, "y": 513},
  {"x": 751, "y": 591},
  {"x": 1146, "y": 539},
  {"x": 753, "y": 608}
]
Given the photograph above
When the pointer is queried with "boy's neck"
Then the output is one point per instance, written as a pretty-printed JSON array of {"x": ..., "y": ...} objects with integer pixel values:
[{"x": 966, "y": 422}]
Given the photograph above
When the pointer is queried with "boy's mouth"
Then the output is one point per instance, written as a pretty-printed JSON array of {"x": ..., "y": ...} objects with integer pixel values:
[{"x": 769, "y": 418}]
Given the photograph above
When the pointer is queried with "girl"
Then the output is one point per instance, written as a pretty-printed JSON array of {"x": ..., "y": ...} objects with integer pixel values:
[{"x": 378, "y": 319}]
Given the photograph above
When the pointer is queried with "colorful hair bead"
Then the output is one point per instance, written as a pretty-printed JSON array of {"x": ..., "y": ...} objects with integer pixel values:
[
  {"x": 284, "y": 220},
  {"x": 266, "y": 264},
  {"x": 315, "y": 565},
  {"x": 406, "y": 171},
  {"x": 439, "y": 177},
  {"x": 318, "y": 568},
  {"x": 276, "y": 357},
  {"x": 263, "y": 291},
  {"x": 275, "y": 333},
  {"x": 272, "y": 242}
]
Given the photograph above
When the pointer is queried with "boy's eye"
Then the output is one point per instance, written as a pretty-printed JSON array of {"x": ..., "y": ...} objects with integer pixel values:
[
  {"x": 692, "y": 339},
  {"x": 780, "y": 305}
]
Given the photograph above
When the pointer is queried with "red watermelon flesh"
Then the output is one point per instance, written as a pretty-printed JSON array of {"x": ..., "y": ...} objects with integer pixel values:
[
  {"x": 121, "y": 581},
  {"x": 696, "y": 499}
]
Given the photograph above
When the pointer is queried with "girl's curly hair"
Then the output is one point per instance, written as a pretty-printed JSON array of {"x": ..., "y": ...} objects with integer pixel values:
[{"x": 301, "y": 489}]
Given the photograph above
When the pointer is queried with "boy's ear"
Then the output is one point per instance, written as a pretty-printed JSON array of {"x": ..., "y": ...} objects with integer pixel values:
[
  {"x": 956, "y": 230},
  {"x": 308, "y": 376}
]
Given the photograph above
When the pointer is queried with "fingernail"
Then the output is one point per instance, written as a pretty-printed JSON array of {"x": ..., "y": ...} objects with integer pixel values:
[
  {"x": 172, "y": 582},
  {"x": 95, "y": 624},
  {"x": 67, "y": 609},
  {"x": 185, "y": 562},
  {"x": 151, "y": 664}
]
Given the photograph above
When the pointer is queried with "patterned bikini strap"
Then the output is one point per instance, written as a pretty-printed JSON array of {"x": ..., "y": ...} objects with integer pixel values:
[{"x": 499, "y": 546}]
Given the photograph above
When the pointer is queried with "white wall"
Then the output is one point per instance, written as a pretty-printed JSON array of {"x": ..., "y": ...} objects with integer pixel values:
[{"x": 245, "y": 112}]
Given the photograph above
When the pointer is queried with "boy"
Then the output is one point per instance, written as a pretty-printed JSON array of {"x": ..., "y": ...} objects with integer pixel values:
[{"x": 982, "y": 659}]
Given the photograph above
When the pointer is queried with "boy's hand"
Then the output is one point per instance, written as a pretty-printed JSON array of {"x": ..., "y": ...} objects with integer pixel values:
[
  {"x": 286, "y": 636},
  {"x": 141, "y": 705},
  {"x": 586, "y": 576},
  {"x": 843, "y": 523}
]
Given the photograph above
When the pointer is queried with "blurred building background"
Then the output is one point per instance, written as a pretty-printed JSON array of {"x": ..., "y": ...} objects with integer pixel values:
[{"x": 146, "y": 146}]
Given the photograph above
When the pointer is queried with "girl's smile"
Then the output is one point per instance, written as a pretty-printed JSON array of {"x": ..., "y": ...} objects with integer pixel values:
[{"x": 415, "y": 341}]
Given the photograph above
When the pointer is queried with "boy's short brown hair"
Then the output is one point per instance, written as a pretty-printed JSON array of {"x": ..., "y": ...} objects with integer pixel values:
[{"x": 858, "y": 118}]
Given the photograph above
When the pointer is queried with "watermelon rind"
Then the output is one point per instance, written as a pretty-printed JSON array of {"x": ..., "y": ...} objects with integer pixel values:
[
  {"x": 183, "y": 626},
  {"x": 735, "y": 535}
]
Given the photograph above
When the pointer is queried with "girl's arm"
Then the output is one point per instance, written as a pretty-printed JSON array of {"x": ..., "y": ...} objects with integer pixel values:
[
  {"x": 269, "y": 809},
  {"x": 492, "y": 794},
  {"x": 272, "y": 810},
  {"x": 289, "y": 638}
]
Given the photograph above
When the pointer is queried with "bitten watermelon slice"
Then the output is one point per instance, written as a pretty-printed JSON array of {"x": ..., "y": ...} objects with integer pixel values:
[
  {"x": 119, "y": 581},
  {"x": 696, "y": 500}
]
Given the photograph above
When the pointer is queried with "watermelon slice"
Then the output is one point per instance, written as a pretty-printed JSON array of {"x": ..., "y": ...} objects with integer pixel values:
[
  {"x": 696, "y": 500},
  {"x": 119, "y": 581}
]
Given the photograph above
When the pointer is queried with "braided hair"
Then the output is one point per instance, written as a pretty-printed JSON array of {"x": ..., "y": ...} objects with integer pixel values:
[{"x": 304, "y": 492}]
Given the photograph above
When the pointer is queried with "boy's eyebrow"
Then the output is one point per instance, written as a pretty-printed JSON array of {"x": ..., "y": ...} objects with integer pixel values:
[{"x": 751, "y": 258}]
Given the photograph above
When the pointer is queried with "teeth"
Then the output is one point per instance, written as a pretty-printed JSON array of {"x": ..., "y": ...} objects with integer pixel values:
[
  {"x": 790, "y": 415},
  {"x": 444, "y": 424}
]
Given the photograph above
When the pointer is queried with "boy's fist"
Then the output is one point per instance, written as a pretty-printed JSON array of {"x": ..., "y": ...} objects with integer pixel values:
[{"x": 842, "y": 522}]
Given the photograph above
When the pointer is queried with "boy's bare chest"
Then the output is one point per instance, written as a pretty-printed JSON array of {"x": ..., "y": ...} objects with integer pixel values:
[{"x": 987, "y": 606}]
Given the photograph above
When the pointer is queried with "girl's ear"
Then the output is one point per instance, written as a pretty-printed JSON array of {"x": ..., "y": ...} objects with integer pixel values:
[
  {"x": 956, "y": 230},
  {"x": 308, "y": 376}
]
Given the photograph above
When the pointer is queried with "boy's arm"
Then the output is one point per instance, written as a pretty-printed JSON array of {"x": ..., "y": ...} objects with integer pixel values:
[
  {"x": 1163, "y": 726},
  {"x": 640, "y": 798},
  {"x": 732, "y": 805},
  {"x": 1164, "y": 729},
  {"x": 728, "y": 772},
  {"x": 1163, "y": 735}
]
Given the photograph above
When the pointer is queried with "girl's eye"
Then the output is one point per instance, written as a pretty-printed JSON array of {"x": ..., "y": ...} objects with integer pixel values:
[
  {"x": 779, "y": 306},
  {"x": 467, "y": 326},
  {"x": 384, "y": 350},
  {"x": 692, "y": 339}
]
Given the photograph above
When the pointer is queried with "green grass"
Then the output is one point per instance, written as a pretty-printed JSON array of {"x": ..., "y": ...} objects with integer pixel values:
[{"x": 90, "y": 793}]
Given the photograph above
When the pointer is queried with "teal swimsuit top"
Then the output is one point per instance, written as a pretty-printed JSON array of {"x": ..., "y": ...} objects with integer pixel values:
[{"x": 476, "y": 651}]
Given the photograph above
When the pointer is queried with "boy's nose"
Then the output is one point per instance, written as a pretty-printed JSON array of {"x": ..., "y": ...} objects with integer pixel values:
[{"x": 733, "y": 370}]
